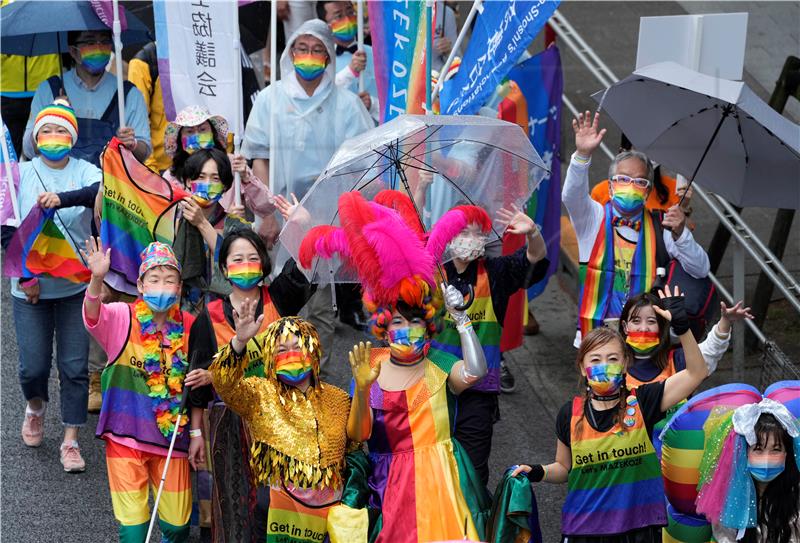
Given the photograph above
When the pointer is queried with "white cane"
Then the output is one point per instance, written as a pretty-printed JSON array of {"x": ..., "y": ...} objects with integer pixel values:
[{"x": 166, "y": 464}]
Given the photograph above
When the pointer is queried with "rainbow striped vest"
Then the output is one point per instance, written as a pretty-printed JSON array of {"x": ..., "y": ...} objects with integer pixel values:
[
  {"x": 127, "y": 407},
  {"x": 486, "y": 327},
  {"x": 224, "y": 332},
  {"x": 615, "y": 483},
  {"x": 597, "y": 275}
]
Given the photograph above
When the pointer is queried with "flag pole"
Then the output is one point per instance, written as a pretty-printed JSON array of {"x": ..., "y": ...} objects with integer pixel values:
[
  {"x": 477, "y": 6},
  {"x": 428, "y": 53},
  {"x": 117, "y": 31},
  {"x": 273, "y": 69},
  {"x": 238, "y": 122},
  {"x": 360, "y": 5},
  {"x": 12, "y": 190}
]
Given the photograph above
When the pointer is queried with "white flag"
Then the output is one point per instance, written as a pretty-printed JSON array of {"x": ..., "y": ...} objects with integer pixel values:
[{"x": 199, "y": 59}]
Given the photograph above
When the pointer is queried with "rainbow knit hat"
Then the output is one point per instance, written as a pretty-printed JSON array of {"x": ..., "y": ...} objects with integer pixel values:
[{"x": 59, "y": 113}]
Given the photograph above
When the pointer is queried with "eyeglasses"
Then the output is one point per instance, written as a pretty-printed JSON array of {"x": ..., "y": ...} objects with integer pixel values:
[
  {"x": 301, "y": 50},
  {"x": 625, "y": 180},
  {"x": 94, "y": 42}
]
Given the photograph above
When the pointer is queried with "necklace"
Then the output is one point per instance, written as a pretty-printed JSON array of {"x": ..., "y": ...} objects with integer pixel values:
[{"x": 164, "y": 374}]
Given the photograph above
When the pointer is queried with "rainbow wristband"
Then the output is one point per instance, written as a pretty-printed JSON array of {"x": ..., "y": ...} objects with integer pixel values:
[{"x": 581, "y": 160}]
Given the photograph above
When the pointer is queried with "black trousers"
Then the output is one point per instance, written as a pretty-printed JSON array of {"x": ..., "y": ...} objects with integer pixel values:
[{"x": 476, "y": 414}]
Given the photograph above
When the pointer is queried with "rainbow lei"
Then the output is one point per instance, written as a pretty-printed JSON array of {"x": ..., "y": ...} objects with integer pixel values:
[{"x": 165, "y": 383}]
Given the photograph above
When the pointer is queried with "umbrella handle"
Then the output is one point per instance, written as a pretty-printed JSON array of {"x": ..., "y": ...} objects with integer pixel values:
[{"x": 467, "y": 300}]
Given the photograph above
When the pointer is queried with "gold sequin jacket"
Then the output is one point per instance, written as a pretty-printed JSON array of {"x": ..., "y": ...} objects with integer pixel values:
[{"x": 298, "y": 439}]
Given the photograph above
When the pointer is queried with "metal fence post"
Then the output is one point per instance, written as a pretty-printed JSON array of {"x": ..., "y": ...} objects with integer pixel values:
[{"x": 738, "y": 327}]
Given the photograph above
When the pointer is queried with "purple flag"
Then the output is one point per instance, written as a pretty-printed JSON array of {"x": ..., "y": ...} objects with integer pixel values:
[
  {"x": 105, "y": 11},
  {"x": 9, "y": 182}
]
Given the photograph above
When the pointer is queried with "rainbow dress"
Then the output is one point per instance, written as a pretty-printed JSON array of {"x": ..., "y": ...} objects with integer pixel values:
[{"x": 421, "y": 479}]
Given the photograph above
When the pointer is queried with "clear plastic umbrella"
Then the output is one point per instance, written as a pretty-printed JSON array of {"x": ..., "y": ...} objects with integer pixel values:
[{"x": 439, "y": 160}]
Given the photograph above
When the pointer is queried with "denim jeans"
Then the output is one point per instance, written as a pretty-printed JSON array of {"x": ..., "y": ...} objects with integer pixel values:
[{"x": 36, "y": 324}]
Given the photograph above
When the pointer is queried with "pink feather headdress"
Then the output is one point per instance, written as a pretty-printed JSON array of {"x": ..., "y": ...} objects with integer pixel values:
[{"x": 388, "y": 255}]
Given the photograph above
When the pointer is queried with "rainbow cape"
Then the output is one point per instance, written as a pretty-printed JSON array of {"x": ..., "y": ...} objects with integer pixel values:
[
  {"x": 40, "y": 248},
  {"x": 138, "y": 208}
]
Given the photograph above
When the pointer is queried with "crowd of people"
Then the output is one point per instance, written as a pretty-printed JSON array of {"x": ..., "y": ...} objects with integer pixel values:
[{"x": 239, "y": 341}]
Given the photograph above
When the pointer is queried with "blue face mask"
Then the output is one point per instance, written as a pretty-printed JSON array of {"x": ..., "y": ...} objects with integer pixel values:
[
  {"x": 160, "y": 301},
  {"x": 766, "y": 469}
]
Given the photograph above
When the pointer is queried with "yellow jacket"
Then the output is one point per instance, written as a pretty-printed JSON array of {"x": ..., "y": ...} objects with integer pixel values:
[{"x": 139, "y": 75}]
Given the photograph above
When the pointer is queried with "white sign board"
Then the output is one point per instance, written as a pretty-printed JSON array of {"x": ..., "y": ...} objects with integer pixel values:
[{"x": 711, "y": 44}]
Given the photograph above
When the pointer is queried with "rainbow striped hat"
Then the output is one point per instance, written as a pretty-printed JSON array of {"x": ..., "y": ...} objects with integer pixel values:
[
  {"x": 59, "y": 113},
  {"x": 157, "y": 254}
]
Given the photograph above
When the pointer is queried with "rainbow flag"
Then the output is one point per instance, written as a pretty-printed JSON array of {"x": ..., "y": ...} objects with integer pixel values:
[
  {"x": 398, "y": 47},
  {"x": 138, "y": 208},
  {"x": 40, "y": 248}
]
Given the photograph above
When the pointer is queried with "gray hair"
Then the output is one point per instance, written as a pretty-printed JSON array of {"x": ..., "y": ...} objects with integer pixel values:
[{"x": 625, "y": 155}]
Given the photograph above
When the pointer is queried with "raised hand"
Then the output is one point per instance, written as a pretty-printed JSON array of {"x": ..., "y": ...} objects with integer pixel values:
[
  {"x": 245, "y": 322},
  {"x": 587, "y": 135},
  {"x": 664, "y": 295},
  {"x": 363, "y": 373},
  {"x": 515, "y": 221},
  {"x": 735, "y": 313},
  {"x": 674, "y": 309},
  {"x": 292, "y": 210},
  {"x": 97, "y": 260}
]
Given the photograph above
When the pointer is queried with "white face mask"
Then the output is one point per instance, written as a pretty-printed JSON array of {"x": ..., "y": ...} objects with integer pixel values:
[{"x": 468, "y": 247}]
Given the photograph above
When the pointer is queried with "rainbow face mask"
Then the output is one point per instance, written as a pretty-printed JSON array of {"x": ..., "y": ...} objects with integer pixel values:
[
  {"x": 95, "y": 57},
  {"x": 765, "y": 468},
  {"x": 309, "y": 66},
  {"x": 54, "y": 146},
  {"x": 245, "y": 275},
  {"x": 344, "y": 29},
  {"x": 207, "y": 193},
  {"x": 292, "y": 367},
  {"x": 605, "y": 379},
  {"x": 408, "y": 346},
  {"x": 628, "y": 198},
  {"x": 643, "y": 342},
  {"x": 198, "y": 140}
]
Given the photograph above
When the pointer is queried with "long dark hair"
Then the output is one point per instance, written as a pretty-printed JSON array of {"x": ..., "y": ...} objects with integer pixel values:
[
  {"x": 594, "y": 339},
  {"x": 661, "y": 355},
  {"x": 181, "y": 156},
  {"x": 778, "y": 506}
]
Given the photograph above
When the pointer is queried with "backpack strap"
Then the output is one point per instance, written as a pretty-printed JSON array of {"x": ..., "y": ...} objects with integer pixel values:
[
  {"x": 110, "y": 113},
  {"x": 662, "y": 256},
  {"x": 149, "y": 55},
  {"x": 56, "y": 86}
]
